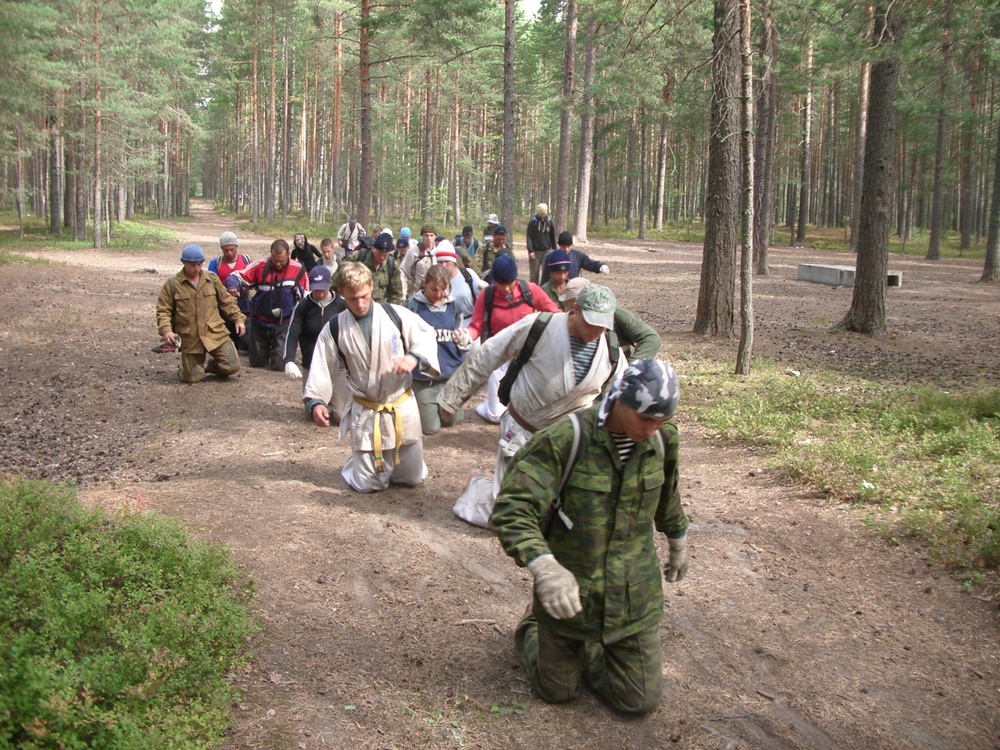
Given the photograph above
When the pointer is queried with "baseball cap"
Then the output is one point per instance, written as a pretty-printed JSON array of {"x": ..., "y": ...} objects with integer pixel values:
[
  {"x": 504, "y": 269},
  {"x": 402, "y": 242},
  {"x": 192, "y": 254},
  {"x": 573, "y": 287},
  {"x": 445, "y": 251},
  {"x": 557, "y": 260},
  {"x": 499, "y": 229},
  {"x": 565, "y": 239},
  {"x": 383, "y": 242},
  {"x": 319, "y": 278},
  {"x": 228, "y": 238},
  {"x": 650, "y": 387},
  {"x": 467, "y": 230},
  {"x": 597, "y": 303}
]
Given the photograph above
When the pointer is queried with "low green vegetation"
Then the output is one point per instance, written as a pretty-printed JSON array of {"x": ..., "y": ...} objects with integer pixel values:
[
  {"x": 926, "y": 461},
  {"x": 114, "y": 632},
  {"x": 129, "y": 236},
  {"x": 7, "y": 259}
]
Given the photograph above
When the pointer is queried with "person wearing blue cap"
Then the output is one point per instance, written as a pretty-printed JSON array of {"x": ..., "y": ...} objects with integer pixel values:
[
  {"x": 577, "y": 507},
  {"x": 189, "y": 317}
]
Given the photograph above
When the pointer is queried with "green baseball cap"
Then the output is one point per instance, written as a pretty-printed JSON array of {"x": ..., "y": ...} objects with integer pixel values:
[{"x": 597, "y": 303}]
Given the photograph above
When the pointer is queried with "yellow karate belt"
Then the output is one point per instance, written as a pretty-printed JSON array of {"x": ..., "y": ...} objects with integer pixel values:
[{"x": 376, "y": 407}]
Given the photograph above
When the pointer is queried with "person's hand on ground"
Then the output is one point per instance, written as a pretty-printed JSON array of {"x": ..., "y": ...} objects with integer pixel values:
[{"x": 292, "y": 371}]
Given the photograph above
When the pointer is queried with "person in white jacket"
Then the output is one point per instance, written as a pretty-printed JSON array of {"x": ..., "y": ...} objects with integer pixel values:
[
  {"x": 571, "y": 364},
  {"x": 379, "y": 345}
]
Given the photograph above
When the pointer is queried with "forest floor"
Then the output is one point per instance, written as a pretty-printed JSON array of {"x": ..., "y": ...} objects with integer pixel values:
[{"x": 388, "y": 622}]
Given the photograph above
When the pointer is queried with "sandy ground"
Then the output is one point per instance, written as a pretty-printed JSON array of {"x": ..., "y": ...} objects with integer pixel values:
[{"x": 388, "y": 622}]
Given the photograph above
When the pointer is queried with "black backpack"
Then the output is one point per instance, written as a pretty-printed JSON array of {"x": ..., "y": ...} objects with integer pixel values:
[
  {"x": 468, "y": 280},
  {"x": 535, "y": 333},
  {"x": 526, "y": 299}
]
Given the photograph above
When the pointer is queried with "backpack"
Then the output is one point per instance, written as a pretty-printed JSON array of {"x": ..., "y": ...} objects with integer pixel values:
[
  {"x": 535, "y": 333},
  {"x": 555, "y": 508},
  {"x": 362, "y": 255},
  {"x": 219, "y": 261},
  {"x": 393, "y": 316},
  {"x": 526, "y": 299}
]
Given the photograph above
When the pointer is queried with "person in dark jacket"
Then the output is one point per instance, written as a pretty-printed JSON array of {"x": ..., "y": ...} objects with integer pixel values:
[
  {"x": 577, "y": 259},
  {"x": 541, "y": 238},
  {"x": 305, "y": 252},
  {"x": 310, "y": 315}
]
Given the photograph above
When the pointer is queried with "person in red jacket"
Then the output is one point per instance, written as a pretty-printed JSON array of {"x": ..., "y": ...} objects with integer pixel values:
[
  {"x": 504, "y": 302},
  {"x": 280, "y": 283}
]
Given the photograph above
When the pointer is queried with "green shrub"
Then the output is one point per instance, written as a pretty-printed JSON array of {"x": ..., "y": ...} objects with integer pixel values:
[{"x": 114, "y": 632}]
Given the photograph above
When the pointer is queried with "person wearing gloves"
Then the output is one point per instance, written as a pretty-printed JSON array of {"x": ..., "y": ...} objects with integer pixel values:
[
  {"x": 190, "y": 314},
  {"x": 577, "y": 260},
  {"x": 577, "y": 507},
  {"x": 308, "y": 318},
  {"x": 349, "y": 235},
  {"x": 378, "y": 346}
]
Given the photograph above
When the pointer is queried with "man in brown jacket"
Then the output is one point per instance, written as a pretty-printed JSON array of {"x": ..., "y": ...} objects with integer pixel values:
[{"x": 189, "y": 316}]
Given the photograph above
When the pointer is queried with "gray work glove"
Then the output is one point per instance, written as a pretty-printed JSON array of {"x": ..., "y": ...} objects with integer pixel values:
[
  {"x": 677, "y": 567},
  {"x": 556, "y": 587},
  {"x": 604, "y": 269},
  {"x": 292, "y": 371}
]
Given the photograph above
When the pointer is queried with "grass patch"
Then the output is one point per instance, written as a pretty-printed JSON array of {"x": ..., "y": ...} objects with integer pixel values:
[
  {"x": 7, "y": 259},
  {"x": 114, "y": 632},
  {"x": 927, "y": 459},
  {"x": 129, "y": 236}
]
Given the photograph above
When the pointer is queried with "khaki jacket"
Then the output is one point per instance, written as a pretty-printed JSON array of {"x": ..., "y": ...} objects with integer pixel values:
[{"x": 195, "y": 314}]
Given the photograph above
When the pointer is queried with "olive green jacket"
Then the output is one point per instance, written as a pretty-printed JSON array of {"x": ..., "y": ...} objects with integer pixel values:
[
  {"x": 613, "y": 509},
  {"x": 489, "y": 254},
  {"x": 195, "y": 313}
]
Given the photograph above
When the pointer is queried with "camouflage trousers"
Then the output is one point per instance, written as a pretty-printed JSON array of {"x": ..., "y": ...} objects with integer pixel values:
[
  {"x": 628, "y": 674},
  {"x": 223, "y": 361}
]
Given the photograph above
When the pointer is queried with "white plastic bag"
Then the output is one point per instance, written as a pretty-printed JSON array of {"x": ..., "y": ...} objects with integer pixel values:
[{"x": 476, "y": 503}]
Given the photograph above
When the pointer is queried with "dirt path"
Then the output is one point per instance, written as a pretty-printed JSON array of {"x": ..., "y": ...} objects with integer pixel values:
[{"x": 388, "y": 622}]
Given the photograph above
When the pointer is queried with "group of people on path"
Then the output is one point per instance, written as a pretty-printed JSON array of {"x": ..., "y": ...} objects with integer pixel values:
[{"x": 586, "y": 464}]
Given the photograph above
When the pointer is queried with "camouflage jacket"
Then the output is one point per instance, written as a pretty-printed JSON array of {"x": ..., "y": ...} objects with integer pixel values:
[
  {"x": 613, "y": 508},
  {"x": 490, "y": 253},
  {"x": 387, "y": 280}
]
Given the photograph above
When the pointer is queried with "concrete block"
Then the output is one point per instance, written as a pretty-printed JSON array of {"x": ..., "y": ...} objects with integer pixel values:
[{"x": 821, "y": 273}]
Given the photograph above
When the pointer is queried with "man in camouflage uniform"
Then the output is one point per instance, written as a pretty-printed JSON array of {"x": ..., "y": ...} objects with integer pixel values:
[
  {"x": 623, "y": 481},
  {"x": 492, "y": 248},
  {"x": 636, "y": 337}
]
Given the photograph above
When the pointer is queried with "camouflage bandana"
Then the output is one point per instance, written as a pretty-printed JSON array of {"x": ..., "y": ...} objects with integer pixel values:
[{"x": 648, "y": 386}]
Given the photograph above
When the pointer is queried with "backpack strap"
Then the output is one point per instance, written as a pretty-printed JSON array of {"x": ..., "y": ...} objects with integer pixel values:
[
  {"x": 555, "y": 509},
  {"x": 614, "y": 354},
  {"x": 514, "y": 369},
  {"x": 487, "y": 311},
  {"x": 468, "y": 280},
  {"x": 526, "y": 292}
]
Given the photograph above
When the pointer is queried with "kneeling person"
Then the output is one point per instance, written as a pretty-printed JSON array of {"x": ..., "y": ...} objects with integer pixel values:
[
  {"x": 193, "y": 307},
  {"x": 614, "y": 465},
  {"x": 379, "y": 345}
]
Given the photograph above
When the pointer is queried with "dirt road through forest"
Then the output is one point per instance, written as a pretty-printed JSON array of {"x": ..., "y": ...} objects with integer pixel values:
[{"x": 388, "y": 622}]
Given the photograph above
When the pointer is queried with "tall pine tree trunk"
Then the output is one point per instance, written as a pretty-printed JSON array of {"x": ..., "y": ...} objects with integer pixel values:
[
  {"x": 745, "y": 351},
  {"x": 764, "y": 142},
  {"x": 804, "y": 165},
  {"x": 991, "y": 268},
  {"x": 560, "y": 216},
  {"x": 509, "y": 142},
  {"x": 365, "y": 176},
  {"x": 585, "y": 167},
  {"x": 867, "y": 312},
  {"x": 716, "y": 296}
]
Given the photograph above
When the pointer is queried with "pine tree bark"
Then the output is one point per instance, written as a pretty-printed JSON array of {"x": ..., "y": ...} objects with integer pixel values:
[
  {"x": 560, "y": 216},
  {"x": 509, "y": 137},
  {"x": 98, "y": 126},
  {"x": 586, "y": 162},
  {"x": 764, "y": 143},
  {"x": 365, "y": 176},
  {"x": 745, "y": 351},
  {"x": 805, "y": 173},
  {"x": 867, "y": 312},
  {"x": 715, "y": 315},
  {"x": 991, "y": 268}
]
